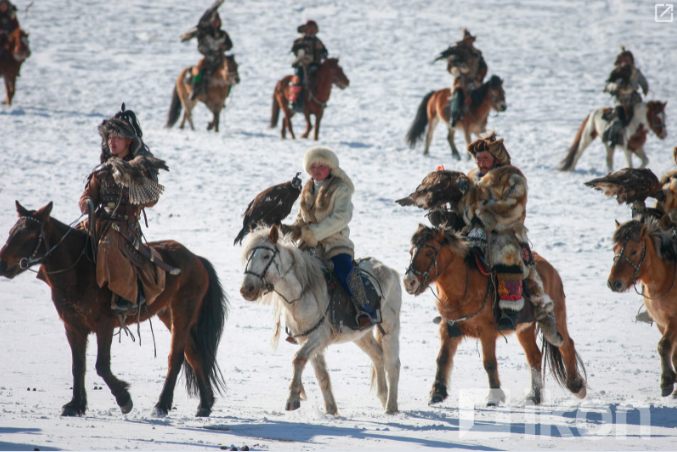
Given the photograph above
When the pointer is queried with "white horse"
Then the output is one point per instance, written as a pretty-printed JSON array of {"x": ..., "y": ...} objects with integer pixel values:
[
  {"x": 278, "y": 272},
  {"x": 646, "y": 116}
]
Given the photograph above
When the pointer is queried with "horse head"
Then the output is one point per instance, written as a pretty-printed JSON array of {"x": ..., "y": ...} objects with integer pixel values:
[
  {"x": 336, "y": 73},
  {"x": 18, "y": 45},
  {"x": 265, "y": 256},
  {"x": 232, "y": 76},
  {"x": 655, "y": 115},
  {"x": 632, "y": 241},
  {"x": 497, "y": 94},
  {"x": 26, "y": 240},
  {"x": 432, "y": 252}
]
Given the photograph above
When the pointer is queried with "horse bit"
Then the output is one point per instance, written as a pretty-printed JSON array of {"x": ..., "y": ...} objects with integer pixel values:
[
  {"x": 617, "y": 260},
  {"x": 425, "y": 275},
  {"x": 262, "y": 276},
  {"x": 26, "y": 262}
]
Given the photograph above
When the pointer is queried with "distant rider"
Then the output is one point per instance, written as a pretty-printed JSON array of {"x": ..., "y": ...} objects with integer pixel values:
[
  {"x": 8, "y": 21},
  {"x": 309, "y": 54}
]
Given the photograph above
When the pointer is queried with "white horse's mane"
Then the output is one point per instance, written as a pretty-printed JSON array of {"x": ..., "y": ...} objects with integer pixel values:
[{"x": 307, "y": 270}]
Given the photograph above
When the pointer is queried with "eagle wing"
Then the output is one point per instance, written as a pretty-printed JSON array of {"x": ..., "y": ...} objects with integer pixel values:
[
  {"x": 132, "y": 174},
  {"x": 451, "y": 51},
  {"x": 437, "y": 189},
  {"x": 629, "y": 185}
]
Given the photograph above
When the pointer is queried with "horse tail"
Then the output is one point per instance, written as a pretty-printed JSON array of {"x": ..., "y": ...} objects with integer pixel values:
[
  {"x": 417, "y": 128},
  {"x": 570, "y": 160},
  {"x": 275, "y": 114},
  {"x": 206, "y": 334},
  {"x": 174, "y": 109},
  {"x": 552, "y": 358}
]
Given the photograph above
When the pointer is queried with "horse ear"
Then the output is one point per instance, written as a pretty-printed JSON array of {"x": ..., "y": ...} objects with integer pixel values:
[
  {"x": 21, "y": 210},
  {"x": 643, "y": 231},
  {"x": 274, "y": 234},
  {"x": 618, "y": 225},
  {"x": 439, "y": 235},
  {"x": 43, "y": 213}
]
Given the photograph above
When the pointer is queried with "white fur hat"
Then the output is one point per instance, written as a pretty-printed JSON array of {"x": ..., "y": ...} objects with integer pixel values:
[{"x": 322, "y": 154}]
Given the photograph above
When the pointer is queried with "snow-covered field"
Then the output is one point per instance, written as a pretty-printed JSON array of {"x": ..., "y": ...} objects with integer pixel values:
[{"x": 89, "y": 56}]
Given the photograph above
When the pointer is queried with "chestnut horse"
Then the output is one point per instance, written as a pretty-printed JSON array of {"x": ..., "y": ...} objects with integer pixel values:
[
  {"x": 220, "y": 84},
  {"x": 12, "y": 56},
  {"x": 644, "y": 253},
  {"x": 435, "y": 108},
  {"x": 646, "y": 116},
  {"x": 193, "y": 307},
  {"x": 316, "y": 97},
  {"x": 465, "y": 301}
]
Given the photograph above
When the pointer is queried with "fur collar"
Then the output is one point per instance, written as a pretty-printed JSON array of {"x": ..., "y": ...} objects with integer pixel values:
[{"x": 321, "y": 203}]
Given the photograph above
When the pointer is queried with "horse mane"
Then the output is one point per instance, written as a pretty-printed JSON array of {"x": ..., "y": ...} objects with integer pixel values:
[
  {"x": 480, "y": 93},
  {"x": 307, "y": 270},
  {"x": 664, "y": 241},
  {"x": 450, "y": 239}
]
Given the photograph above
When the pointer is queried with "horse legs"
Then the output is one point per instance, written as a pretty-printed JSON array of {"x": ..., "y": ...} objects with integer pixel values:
[
  {"x": 610, "y": 158},
  {"x": 496, "y": 394},
  {"x": 468, "y": 136},
  {"x": 215, "y": 122},
  {"x": 450, "y": 140},
  {"x": 527, "y": 338},
  {"x": 188, "y": 114},
  {"x": 574, "y": 380},
  {"x": 286, "y": 124},
  {"x": 666, "y": 349},
  {"x": 9, "y": 89},
  {"x": 642, "y": 155},
  {"x": 391, "y": 362},
  {"x": 309, "y": 124},
  {"x": 322, "y": 376},
  {"x": 78, "y": 342},
  {"x": 373, "y": 349},
  {"x": 318, "y": 119},
  {"x": 311, "y": 346},
  {"x": 628, "y": 157},
  {"x": 176, "y": 358},
  {"x": 445, "y": 363},
  {"x": 104, "y": 339},
  {"x": 429, "y": 136}
]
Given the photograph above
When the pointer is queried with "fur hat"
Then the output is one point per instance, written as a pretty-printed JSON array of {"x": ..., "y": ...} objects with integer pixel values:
[
  {"x": 489, "y": 143},
  {"x": 311, "y": 23},
  {"x": 466, "y": 37},
  {"x": 324, "y": 155},
  {"x": 624, "y": 54},
  {"x": 123, "y": 124}
]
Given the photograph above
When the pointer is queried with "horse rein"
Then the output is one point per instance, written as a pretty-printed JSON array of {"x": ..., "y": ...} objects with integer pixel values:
[
  {"x": 262, "y": 276},
  {"x": 636, "y": 274},
  {"x": 426, "y": 275}
]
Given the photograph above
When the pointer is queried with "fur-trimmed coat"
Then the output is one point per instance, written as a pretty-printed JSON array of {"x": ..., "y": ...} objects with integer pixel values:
[{"x": 324, "y": 220}]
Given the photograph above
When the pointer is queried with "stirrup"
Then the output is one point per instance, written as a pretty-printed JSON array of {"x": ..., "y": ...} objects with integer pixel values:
[
  {"x": 508, "y": 320},
  {"x": 364, "y": 320},
  {"x": 122, "y": 306}
]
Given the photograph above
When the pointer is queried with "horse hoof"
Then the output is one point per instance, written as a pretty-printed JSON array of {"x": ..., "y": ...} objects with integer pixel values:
[
  {"x": 436, "y": 398},
  {"x": 295, "y": 405},
  {"x": 160, "y": 412},
  {"x": 69, "y": 411},
  {"x": 492, "y": 404},
  {"x": 667, "y": 390},
  {"x": 127, "y": 407},
  {"x": 391, "y": 411},
  {"x": 203, "y": 412}
]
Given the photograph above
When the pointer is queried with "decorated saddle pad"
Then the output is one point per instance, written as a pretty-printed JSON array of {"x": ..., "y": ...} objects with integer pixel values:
[{"x": 342, "y": 310}]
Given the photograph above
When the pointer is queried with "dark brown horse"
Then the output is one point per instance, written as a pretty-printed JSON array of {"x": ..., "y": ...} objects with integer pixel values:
[
  {"x": 465, "y": 302},
  {"x": 220, "y": 84},
  {"x": 193, "y": 307},
  {"x": 435, "y": 108},
  {"x": 315, "y": 100},
  {"x": 12, "y": 56}
]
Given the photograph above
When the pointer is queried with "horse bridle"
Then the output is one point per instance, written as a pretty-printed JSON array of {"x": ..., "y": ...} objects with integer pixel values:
[
  {"x": 426, "y": 275},
  {"x": 617, "y": 259},
  {"x": 655, "y": 124},
  {"x": 269, "y": 287},
  {"x": 26, "y": 262}
]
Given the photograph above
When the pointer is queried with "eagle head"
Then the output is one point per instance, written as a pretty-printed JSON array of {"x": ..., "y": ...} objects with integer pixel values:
[{"x": 296, "y": 181}]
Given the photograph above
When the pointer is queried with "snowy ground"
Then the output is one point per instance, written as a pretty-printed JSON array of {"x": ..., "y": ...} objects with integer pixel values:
[{"x": 89, "y": 56}]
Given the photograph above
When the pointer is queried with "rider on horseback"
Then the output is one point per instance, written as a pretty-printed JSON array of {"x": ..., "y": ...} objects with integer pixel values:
[
  {"x": 309, "y": 54},
  {"x": 212, "y": 41},
  {"x": 468, "y": 67},
  {"x": 495, "y": 209},
  {"x": 132, "y": 279},
  {"x": 623, "y": 83},
  {"x": 322, "y": 223},
  {"x": 8, "y": 20}
]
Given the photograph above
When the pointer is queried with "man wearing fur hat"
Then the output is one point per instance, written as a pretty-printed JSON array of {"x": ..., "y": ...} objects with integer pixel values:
[
  {"x": 212, "y": 41},
  {"x": 119, "y": 265},
  {"x": 624, "y": 84},
  {"x": 467, "y": 65},
  {"x": 495, "y": 209},
  {"x": 322, "y": 222},
  {"x": 309, "y": 54}
]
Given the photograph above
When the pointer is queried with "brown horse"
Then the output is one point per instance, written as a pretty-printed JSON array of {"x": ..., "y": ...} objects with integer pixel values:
[
  {"x": 644, "y": 253},
  {"x": 443, "y": 257},
  {"x": 315, "y": 97},
  {"x": 12, "y": 56},
  {"x": 220, "y": 84},
  {"x": 193, "y": 307},
  {"x": 435, "y": 108}
]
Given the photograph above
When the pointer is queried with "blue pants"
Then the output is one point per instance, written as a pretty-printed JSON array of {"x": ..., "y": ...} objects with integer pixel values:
[{"x": 343, "y": 264}]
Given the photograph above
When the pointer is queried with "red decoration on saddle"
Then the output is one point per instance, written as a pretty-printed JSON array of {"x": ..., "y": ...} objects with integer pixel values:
[
  {"x": 480, "y": 266},
  {"x": 440, "y": 168},
  {"x": 509, "y": 286}
]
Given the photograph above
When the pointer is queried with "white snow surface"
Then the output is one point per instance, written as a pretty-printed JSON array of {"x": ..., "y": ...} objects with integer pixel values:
[{"x": 89, "y": 56}]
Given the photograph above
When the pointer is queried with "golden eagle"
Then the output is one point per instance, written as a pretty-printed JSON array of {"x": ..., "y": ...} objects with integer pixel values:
[
  {"x": 270, "y": 207},
  {"x": 132, "y": 174},
  {"x": 629, "y": 186}
]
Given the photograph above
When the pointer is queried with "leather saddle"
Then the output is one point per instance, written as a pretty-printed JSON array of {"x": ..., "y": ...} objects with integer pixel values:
[{"x": 342, "y": 311}]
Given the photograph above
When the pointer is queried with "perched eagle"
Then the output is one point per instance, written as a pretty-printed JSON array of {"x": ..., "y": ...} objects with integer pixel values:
[
  {"x": 132, "y": 174},
  {"x": 630, "y": 186},
  {"x": 270, "y": 207},
  {"x": 437, "y": 189},
  {"x": 204, "y": 22}
]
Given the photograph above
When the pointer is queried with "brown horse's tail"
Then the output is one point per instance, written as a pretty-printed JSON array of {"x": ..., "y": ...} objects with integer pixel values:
[
  {"x": 552, "y": 358},
  {"x": 568, "y": 163},
  {"x": 174, "y": 109},
  {"x": 206, "y": 334},
  {"x": 417, "y": 128},
  {"x": 275, "y": 114}
]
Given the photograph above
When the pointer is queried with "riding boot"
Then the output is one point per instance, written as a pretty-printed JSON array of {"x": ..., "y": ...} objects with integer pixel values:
[
  {"x": 508, "y": 320},
  {"x": 365, "y": 316},
  {"x": 612, "y": 136},
  {"x": 456, "y": 104},
  {"x": 548, "y": 324},
  {"x": 199, "y": 82},
  {"x": 122, "y": 306}
]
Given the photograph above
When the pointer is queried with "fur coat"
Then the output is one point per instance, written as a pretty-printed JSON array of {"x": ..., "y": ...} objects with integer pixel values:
[{"x": 324, "y": 220}]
